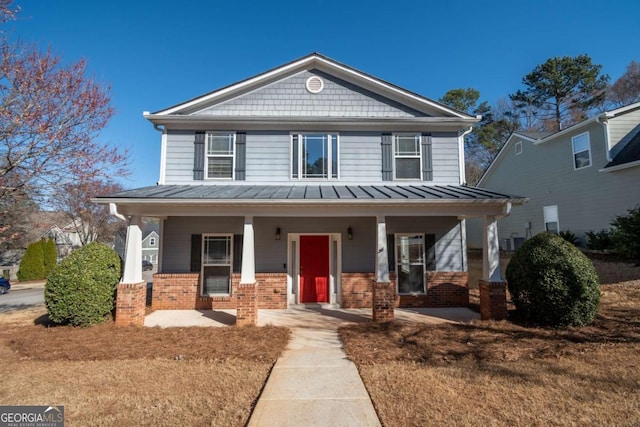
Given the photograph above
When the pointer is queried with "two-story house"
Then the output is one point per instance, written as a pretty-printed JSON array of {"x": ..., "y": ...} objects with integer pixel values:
[
  {"x": 578, "y": 179},
  {"x": 310, "y": 183}
]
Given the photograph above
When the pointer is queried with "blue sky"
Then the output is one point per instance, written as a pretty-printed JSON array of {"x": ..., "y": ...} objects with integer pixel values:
[{"x": 158, "y": 53}]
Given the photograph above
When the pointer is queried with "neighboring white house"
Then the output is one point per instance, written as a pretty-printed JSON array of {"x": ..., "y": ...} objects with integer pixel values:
[
  {"x": 150, "y": 245},
  {"x": 578, "y": 179},
  {"x": 315, "y": 182}
]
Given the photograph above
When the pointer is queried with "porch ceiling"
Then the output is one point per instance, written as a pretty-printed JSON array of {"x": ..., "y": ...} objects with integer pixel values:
[{"x": 310, "y": 200}]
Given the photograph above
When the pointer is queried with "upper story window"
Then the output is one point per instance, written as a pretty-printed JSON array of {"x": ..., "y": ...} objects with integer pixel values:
[
  {"x": 152, "y": 241},
  {"x": 219, "y": 152},
  {"x": 314, "y": 156},
  {"x": 518, "y": 148},
  {"x": 581, "y": 151},
  {"x": 407, "y": 157}
]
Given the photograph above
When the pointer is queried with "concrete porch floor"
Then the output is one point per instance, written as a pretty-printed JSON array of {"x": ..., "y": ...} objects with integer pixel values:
[{"x": 305, "y": 317}]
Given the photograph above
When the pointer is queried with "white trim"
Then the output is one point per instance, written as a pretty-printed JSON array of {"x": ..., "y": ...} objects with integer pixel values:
[
  {"x": 308, "y": 83},
  {"x": 419, "y": 156},
  {"x": 163, "y": 158},
  {"x": 330, "y": 155},
  {"x": 518, "y": 148},
  {"x": 621, "y": 167}
]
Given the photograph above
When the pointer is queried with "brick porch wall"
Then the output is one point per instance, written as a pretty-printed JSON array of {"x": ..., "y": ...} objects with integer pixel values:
[
  {"x": 357, "y": 290},
  {"x": 131, "y": 301},
  {"x": 247, "y": 304},
  {"x": 182, "y": 292},
  {"x": 444, "y": 289},
  {"x": 493, "y": 300}
]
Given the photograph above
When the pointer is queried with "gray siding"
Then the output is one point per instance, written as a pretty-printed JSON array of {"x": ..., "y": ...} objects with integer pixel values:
[
  {"x": 358, "y": 255},
  {"x": 289, "y": 97},
  {"x": 620, "y": 130},
  {"x": 268, "y": 158},
  {"x": 586, "y": 198},
  {"x": 179, "y": 163}
]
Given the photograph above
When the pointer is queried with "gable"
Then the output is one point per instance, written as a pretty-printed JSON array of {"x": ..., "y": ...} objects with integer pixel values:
[{"x": 290, "y": 97}]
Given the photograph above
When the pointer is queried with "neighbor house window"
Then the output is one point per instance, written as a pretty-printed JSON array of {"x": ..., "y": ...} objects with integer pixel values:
[
  {"x": 551, "y": 223},
  {"x": 581, "y": 151},
  {"x": 152, "y": 241},
  {"x": 219, "y": 150},
  {"x": 407, "y": 157},
  {"x": 518, "y": 148},
  {"x": 410, "y": 263},
  {"x": 216, "y": 264},
  {"x": 314, "y": 156}
]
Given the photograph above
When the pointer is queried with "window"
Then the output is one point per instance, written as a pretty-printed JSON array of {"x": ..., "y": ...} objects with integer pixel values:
[
  {"x": 410, "y": 263},
  {"x": 518, "y": 148},
  {"x": 152, "y": 241},
  {"x": 216, "y": 264},
  {"x": 407, "y": 156},
  {"x": 314, "y": 156},
  {"x": 551, "y": 223},
  {"x": 219, "y": 151},
  {"x": 581, "y": 151}
]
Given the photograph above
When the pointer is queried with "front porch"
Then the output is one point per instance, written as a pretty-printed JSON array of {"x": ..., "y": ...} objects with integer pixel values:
[{"x": 320, "y": 316}]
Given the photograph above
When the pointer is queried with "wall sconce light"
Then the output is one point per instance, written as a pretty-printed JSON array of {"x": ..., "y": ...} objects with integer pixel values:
[
  {"x": 350, "y": 233},
  {"x": 278, "y": 233}
]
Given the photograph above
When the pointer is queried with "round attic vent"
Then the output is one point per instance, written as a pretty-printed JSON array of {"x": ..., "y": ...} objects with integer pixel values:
[{"x": 315, "y": 84}]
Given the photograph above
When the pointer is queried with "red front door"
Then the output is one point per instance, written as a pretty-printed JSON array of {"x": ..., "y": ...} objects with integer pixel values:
[{"x": 314, "y": 269}]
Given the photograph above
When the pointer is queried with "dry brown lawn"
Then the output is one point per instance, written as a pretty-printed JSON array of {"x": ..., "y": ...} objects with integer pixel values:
[
  {"x": 502, "y": 374},
  {"x": 106, "y": 376}
]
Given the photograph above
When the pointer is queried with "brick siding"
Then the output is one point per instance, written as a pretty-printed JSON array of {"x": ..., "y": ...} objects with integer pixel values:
[
  {"x": 444, "y": 289},
  {"x": 247, "y": 304},
  {"x": 493, "y": 300},
  {"x": 357, "y": 290},
  {"x": 384, "y": 295}
]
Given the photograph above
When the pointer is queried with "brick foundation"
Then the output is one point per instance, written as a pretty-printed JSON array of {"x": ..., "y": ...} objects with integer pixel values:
[
  {"x": 493, "y": 300},
  {"x": 272, "y": 290},
  {"x": 384, "y": 295},
  {"x": 130, "y": 303},
  {"x": 247, "y": 304},
  {"x": 356, "y": 290}
]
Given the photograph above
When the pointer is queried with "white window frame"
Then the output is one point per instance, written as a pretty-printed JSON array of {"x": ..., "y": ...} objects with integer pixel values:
[
  {"x": 330, "y": 155},
  {"x": 588, "y": 150},
  {"x": 418, "y": 156},
  {"x": 207, "y": 156},
  {"x": 398, "y": 262},
  {"x": 152, "y": 241},
  {"x": 518, "y": 148},
  {"x": 550, "y": 214},
  {"x": 203, "y": 265}
]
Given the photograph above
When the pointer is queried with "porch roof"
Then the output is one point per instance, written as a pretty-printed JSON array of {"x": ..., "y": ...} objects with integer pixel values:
[
  {"x": 310, "y": 200},
  {"x": 333, "y": 193}
]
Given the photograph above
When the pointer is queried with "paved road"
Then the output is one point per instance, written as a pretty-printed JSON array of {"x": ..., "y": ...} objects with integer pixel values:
[{"x": 19, "y": 299}]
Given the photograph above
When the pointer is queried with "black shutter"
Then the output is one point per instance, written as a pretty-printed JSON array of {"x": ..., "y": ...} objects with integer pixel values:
[
  {"x": 430, "y": 248},
  {"x": 241, "y": 156},
  {"x": 237, "y": 252},
  {"x": 427, "y": 162},
  {"x": 387, "y": 157},
  {"x": 196, "y": 252},
  {"x": 198, "y": 156},
  {"x": 391, "y": 252}
]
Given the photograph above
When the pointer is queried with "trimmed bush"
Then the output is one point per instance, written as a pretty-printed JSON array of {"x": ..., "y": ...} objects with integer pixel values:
[
  {"x": 599, "y": 240},
  {"x": 50, "y": 255},
  {"x": 80, "y": 291},
  {"x": 32, "y": 263},
  {"x": 552, "y": 283},
  {"x": 626, "y": 234}
]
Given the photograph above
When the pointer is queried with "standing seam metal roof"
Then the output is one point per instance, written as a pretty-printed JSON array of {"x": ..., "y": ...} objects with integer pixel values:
[{"x": 310, "y": 192}]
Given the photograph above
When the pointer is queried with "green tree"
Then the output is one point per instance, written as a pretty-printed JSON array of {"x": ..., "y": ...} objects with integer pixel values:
[
  {"x": 50, "y": 255},
  {"x": 563, "y": 90},
  {"x": 32, "y": 264},
  {"x": 461, "y": 99},
  {"x": 626, "y": 90},
  {"x": 626, "y": 234}
]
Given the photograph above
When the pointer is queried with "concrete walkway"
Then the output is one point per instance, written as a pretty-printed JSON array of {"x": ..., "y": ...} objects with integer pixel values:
[{"x": 314, "y": 384}]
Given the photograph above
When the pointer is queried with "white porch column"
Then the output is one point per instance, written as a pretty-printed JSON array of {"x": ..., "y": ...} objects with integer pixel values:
[
  {"x": 133, "y": 252},
  {"x": 382, "y": 264},
  {"x": 491, "y": 271},
  {"x": 248, "y": 274}
]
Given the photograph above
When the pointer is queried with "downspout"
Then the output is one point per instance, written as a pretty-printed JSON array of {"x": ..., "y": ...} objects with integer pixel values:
[
  {"x": 604, "y": 120},
  {"x": 113, "y": 210},
  {"x": 463, "y": 172},
  {"x": 163, "y": 152}
]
